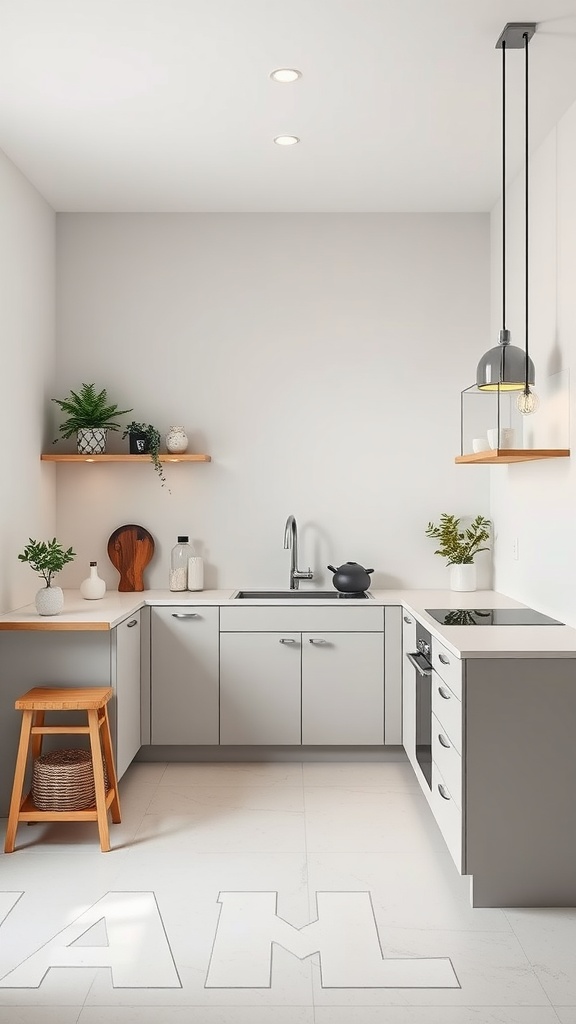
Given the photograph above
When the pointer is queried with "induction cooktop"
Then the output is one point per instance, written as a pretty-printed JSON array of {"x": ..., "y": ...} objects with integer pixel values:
[{"x": 491, "y": 617}]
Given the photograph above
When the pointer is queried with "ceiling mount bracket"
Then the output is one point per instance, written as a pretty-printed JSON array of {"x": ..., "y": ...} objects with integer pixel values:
[{"x": 513, "y": 34}]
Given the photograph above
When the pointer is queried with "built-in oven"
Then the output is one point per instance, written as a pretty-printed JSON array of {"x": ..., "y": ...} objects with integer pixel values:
[{"x": 421, "y": 661}]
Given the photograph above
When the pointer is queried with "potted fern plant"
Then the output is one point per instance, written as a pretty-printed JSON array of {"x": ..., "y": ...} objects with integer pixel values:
[
  {"x": 460, "y": 547},
  {"x": 90, "y": 416},
  {"x": 144, "y": 439},
  {"x": 47, "y": 558}
]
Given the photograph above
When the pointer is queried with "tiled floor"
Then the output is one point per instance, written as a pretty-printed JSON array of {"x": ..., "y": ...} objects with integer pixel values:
[{"x": 268, "y": 894}]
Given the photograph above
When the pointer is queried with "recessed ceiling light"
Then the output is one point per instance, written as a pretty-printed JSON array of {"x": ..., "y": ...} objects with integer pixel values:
[
  {"x": 286, "y": 75},
  {"x": 286, "y": 140}
]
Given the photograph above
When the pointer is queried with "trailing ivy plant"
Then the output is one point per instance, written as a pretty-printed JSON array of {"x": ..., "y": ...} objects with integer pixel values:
[
  {"x": 151, "y": 436},
  {"x": 88, "y": 409},
  {"x": 46, "y": 557},
  {"x": 459, "y": 546}
]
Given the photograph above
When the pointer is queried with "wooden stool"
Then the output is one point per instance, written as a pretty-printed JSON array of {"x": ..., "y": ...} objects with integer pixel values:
[{"x": 34, "y": 704}]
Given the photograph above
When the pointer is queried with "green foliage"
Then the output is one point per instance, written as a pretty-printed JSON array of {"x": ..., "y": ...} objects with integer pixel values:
[
  {"x": 88, "y": 410},
  {"x": 46, "y": 557},
  {"x": 152, "y": 437},
  {"x": 459, "y": 546}
]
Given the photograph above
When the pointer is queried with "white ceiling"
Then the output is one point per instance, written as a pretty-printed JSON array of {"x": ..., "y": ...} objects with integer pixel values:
[{"x": 167, "y": 105}]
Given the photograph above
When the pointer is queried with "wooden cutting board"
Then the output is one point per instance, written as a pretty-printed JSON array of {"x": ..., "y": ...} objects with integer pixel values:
[{"x": 130, "y": 549}]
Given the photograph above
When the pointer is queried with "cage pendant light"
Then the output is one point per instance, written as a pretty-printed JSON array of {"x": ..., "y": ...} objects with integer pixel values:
[{"x": 507, "y": 367}]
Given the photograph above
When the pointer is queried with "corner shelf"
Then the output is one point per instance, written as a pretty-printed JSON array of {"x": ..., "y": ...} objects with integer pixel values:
[
  {"x": 500, "y": 455},
  {"x": 165, "y": 457}
]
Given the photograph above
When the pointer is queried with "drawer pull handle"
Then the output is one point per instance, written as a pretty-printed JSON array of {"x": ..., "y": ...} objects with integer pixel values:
[
  {"x": 443, "y": 659},
  {"x": 407, "y": 620},
  {"x": 316, "y": 640},
  {"x": 185, "y": 615},
  {"x": 443, "y": 693},
  {"x": 443, "y": 741},
  {"x": 443, "y": 791},
  {"x": 287, "y": 640},
  {"x": 133, "y": 622},
  {"x": 422, "y": 670}
]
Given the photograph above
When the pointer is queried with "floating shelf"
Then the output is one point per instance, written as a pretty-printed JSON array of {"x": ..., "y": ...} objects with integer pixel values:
[
  {"x": 165, "y": 457},
  {"x": 499, "y": 455}
]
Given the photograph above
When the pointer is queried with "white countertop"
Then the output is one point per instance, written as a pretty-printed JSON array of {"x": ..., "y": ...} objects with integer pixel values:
[{"x": 463, "y": 641}]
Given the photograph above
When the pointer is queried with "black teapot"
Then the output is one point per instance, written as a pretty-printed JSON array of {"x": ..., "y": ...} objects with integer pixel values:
[{"x": 351, "y": 578}]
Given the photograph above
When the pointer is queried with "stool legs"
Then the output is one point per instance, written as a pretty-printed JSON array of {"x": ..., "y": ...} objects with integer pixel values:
[
  {"x": 99, "y": 784},
  {"x": 110, "y": 768},
  {"x": 18, "y": 786}
]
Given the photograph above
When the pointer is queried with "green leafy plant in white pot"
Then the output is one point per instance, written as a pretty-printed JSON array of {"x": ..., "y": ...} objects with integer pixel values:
[
  {"x": 460, "y": 547},
  {"x": 90, "y": 416},
  {"x": 47, "y": 558}
]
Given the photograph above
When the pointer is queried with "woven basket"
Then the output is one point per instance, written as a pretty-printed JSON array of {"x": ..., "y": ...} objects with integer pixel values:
[{"x": 63, "y": 780}]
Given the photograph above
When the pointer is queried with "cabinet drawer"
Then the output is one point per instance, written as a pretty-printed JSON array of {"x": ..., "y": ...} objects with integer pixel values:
[
  {"x": 448, "y": 816},
  {"x": 448, "y": 711},
  {"x": 448, "y": 760},
  {"x": 264, "y": 619},
  {"x": 448, "y": 666}
]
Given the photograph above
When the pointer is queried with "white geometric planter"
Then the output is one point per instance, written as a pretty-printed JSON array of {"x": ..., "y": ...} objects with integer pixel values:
[
  {"x": 91, "y": 442},
  {"x": 49, "y": 601},
  {"x": 463, "y": 577}
]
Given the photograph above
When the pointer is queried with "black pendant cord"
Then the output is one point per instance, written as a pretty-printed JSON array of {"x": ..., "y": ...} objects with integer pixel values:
[
  {"x": 503, "y": 185},
  {"x": 526, "y": 209}
]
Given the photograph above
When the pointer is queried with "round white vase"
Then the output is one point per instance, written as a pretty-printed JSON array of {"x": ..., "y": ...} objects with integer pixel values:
[
  {"x": 49, "y": 601},
  {"x": 462, "y": 577},
  {"x": 176, "y": 440},
  {"x": 94, "y": 587}
]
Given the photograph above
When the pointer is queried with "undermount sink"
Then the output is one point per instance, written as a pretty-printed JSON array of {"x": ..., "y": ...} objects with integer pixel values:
[{"x": 297, "y": 595}]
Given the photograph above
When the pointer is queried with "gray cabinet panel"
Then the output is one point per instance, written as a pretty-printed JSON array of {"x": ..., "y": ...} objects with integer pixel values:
[
  {"x": 184, "y": 675},
  {"x": 343, "y": 688},
  {"x": 260, "y": 688},
  {"x": 127, "y": 688}
]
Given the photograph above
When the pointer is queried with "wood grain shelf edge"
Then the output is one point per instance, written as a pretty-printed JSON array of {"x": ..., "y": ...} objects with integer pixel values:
[
  {"x": 508, "y": 455},
  {"x": 165, "y": 457}
]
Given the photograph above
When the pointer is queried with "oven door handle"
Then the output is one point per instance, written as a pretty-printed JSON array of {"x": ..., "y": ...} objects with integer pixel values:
[{"x": 426, "y": 669}]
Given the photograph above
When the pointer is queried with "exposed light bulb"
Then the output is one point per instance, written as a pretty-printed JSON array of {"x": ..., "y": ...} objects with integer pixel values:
[{"x": 527, "y": 402}]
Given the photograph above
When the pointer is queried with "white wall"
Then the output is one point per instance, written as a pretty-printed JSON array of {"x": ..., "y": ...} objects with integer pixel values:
[
  {"x": 318, "y": 358},
  {"x": 536, "y": 501},
  {"x": 27, "y": 287}
]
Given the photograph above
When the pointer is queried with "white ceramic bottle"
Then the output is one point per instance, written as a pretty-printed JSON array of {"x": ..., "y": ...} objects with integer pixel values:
[
  {"x": 94, "y": 587},
  {"x": 195, "y": 573},
  {"x": 176, "y": 440}
]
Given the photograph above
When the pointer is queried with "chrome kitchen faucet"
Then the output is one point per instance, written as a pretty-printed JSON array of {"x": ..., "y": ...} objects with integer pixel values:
[{"x": 291, "y": 541}]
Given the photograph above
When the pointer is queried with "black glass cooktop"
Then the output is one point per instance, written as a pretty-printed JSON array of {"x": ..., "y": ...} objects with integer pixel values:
[{"x": 491, "y": 617}]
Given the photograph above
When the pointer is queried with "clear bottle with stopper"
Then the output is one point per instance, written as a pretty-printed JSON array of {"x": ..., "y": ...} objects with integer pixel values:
[
  {"x": 94, "y": 587},
  {"x": 179, "y": 556}
]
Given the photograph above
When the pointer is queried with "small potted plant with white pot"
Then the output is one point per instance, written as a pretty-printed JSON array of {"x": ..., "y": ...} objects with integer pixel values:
[
  {"x": 460, "y": 546},
  {"x": 90, "y": 416},
  {"x": 47, "y": 558}
]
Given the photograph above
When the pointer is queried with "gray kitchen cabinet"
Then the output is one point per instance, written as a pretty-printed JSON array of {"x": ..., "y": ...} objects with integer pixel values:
[
  {"x": 184, "y": 675},
  {"x": 126, "y": 683},
  {"x": 343, "y": 688},
  {"x": 409, "y": 689},
  {"x": 260, "y": 688}
]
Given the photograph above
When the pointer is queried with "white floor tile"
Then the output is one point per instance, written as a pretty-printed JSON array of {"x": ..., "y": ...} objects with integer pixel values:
[
  {"x": 150, "y": 772},
  {"x": 548, "y": 937},
  {"x": 389, "y": 775},
  {"x": 207, "y": 1015},
  {"x": 436, "y": 1015},
  {"x": 39, "y": 1014},
  {"x": 209, "y": 803},
  {"x": 346, "y": 819},
  {"x": 233, "y": 774},
  {"x": 566, "y": 1014},
  {"x": 234, "y": 831},
  {"x": 490, "y": 966}
]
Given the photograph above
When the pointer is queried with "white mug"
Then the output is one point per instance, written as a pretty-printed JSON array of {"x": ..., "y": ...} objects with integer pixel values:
[{"x": 480, "y": 444}]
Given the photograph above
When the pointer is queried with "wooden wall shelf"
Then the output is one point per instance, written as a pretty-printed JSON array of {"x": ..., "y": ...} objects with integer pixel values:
[
  {"x": 165, "y": 457},
  {"x": 499, "y": 455}
]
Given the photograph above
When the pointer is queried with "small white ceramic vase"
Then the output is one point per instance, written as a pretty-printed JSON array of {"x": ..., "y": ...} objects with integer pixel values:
[
  {"x": 176, "y": 440},
  {"x": 195, "y": 573},
  {"x": 94, "y": 587},
  {"x": 91, "y": 442},
  {"x": 463, "y": 577},
  {"x": 49, "y": 601}
]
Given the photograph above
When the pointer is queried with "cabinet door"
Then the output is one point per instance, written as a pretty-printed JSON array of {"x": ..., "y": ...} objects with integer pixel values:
[
  {"x": 260, "y": 688},
  {"x": 127, "y": 692},
  {"x": 408, "y": 687},
  {"x": 343, "y": 688},
  {"x": 184, "y": 675}
]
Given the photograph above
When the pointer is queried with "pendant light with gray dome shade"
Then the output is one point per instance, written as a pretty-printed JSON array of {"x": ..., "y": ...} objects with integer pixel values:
[{"x": 507, "y": 367}]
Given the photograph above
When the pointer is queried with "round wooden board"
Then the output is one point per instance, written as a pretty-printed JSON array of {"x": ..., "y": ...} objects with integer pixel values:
[{"x": 130, "y": 549}]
